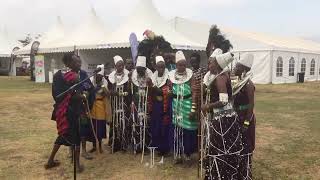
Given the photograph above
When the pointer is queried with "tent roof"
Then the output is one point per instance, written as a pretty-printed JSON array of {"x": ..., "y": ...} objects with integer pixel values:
[
  {"x": 145, "y": 16},
  {"x": 6, "y": 44},
  {"x": 56, "y": 32},
  {"x": 89, "y": 34},
  {"x": 242, "y": 40}
]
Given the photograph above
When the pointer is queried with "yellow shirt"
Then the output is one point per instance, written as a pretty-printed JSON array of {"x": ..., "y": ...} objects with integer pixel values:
[{"x": 101, "y": 109}]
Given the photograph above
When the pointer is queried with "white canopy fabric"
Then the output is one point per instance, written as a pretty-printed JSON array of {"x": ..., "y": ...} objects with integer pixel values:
[
  {"x": 6, "y": 44},
  {"x": 145, "y": 16},
  {"x": 90, "y": 34},
  {"x": 267, "y": 50},
  {"x": 56, "y": 32},
  {"x": 242, "y": 40}
]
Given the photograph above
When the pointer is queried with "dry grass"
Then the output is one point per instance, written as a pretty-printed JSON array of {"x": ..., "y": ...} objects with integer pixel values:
[{"x": 288, "y": 137}]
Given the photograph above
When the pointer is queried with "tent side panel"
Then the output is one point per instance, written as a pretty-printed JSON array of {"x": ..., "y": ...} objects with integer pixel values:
[
  {"x": 261, "y": 66},
  {"x": 4, "y": 65},
  {"x": 311, "y": 67},
  {"x": 92, "y": 58},
  {"x": 48, "y": 58},
  {"x": 282, "y": 68}
]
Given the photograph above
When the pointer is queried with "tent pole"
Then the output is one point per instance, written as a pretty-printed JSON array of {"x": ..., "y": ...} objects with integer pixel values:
[
  {"x": 318, "y": 69},
  {"x": 271, "y": 57},
  {"x": 297, "y": 65}
]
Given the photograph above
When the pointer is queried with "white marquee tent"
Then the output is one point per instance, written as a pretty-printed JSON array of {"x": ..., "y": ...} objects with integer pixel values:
[
  {"x": 277, "y": 59},
  {"x": 87, "y": 37},
  {"x": 56, "y": 32},
  {"x": 58, "y": 39},
  {"x": 4, "y": 54},
  {"x": 89, "y": 34},
  {"x": 97, "y": 45},
  {"x": 7, "y": 45},
  {"x": 145, "y": 16}
]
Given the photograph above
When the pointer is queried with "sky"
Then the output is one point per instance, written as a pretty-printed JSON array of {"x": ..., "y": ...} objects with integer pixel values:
[{"x": 299, "y": 18}]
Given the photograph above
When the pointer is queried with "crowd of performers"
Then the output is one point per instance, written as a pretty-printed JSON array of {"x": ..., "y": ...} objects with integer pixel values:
[{"x": 159, "y": 102}]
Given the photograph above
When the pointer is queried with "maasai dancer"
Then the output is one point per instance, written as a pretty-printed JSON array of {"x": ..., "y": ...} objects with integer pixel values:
[
  {"x": 151, "y": 46},
  {"x": 100, "y": 108},
  {"x": 67, "y": 109},
  {"x": 169, "y": 59},
  {"x": 198, "y": 74},
  {"x": 243, "y": 93},
  {"x": 184, "y": 110},
  {"x": 161, "y": 108},
  {"x": 222, "y": 130},
  {"x": 195, "y": 60},
  {"x": 121, "y": 92},
  {"x": 129, "y": 65},
  {"x": 141, "y": 79},
  {"x": 86, "y": 133},
  {"x": 217, "y": 40}
]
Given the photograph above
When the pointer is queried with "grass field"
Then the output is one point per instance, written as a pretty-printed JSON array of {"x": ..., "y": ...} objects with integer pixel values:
[{"x": 288, "y": 137}]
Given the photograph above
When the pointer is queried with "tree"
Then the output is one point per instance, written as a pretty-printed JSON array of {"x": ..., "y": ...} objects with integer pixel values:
[{"x": 26, "y": 41}]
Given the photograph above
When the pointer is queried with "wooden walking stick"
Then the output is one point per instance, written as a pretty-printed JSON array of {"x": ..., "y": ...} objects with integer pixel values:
[
  {"x": 92, "y": 127},
  {"x": 200, "y": 134},
  {"x": 144, "y": 124}
]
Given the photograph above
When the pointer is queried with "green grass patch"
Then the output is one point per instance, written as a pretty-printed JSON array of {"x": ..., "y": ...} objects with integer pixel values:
[{"x": 287, "y": 137}]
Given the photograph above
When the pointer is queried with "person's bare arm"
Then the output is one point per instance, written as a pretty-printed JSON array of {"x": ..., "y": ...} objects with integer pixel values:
[
  {"x": 250, "y": 93},
  {"x": 221, "y": 83}
]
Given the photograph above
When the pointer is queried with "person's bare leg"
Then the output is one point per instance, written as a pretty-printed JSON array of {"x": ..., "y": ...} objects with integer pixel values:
[
  {"x": 79, "y": 166},
  {"x": 84, "y": 153},
  {"x": 100, "y": 146},
  {"x": 70, "y": 153},
  {"x": 54, "y": 151},
  {"x": 51, "y": 163},
  {"x": 94, "y": 147}
]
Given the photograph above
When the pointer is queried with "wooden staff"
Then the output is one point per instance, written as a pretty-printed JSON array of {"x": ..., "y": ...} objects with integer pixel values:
[
  {"x": 200, "y": 135},
  {"x": 133, "y": 121},
  {"x": 144, "y": 123},
  {"x": 113, "y": 122},
  {"x": 92, "y": 127}
]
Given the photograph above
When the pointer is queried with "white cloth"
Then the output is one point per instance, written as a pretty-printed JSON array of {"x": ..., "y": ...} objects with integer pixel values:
[
  {"x": 223, "y": 97},
  {"x": 116, "y": 59},
  {"x": 141, "y": 61},
  {"x": 104, "y": 81},
  {"x": 247, "y": 60},
  {"x": 180, "y": 56},
  {"x": 119, "y": 79},
  {"x": 141, "y": 82},
  {"x": 160, "y": 81},
  {"x": 178, "y": 79},
  {"x": 159, "y": 59},
  {"x": 102, "y": 69},
  {"x": 209, "y": 78},
  {"x": 224, "y": 59},
  {"x": 216, "y": 52},
  {"x": 240, "y": 84}
]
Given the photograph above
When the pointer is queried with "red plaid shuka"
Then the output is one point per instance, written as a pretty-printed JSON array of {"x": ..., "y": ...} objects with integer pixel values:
[{"x": 61, "y": 113}]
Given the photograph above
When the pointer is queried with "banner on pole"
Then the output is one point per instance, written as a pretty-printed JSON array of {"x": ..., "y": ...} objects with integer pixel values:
[
  {"x": 134, "y": 46},
  {"x": 39, "y": 69}
]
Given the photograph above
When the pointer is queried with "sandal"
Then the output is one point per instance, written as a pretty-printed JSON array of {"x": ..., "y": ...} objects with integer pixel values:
[
  {"x": 80, "y": 169},
  {"x": 86, "y": 156},
  {"x": 93, "y": 150},
  {"x": 52, "y": 165}
]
